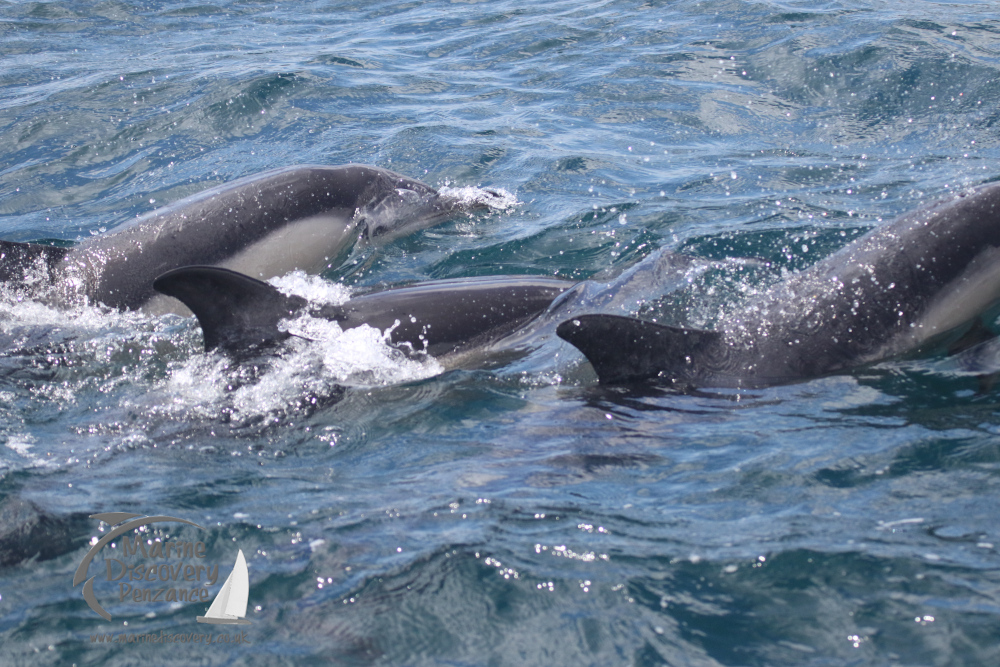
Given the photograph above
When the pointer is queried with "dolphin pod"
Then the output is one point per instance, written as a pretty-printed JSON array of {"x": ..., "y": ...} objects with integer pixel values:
[
  {"x": 927, "y": 276},
  {"x": 264, "y": 225}
]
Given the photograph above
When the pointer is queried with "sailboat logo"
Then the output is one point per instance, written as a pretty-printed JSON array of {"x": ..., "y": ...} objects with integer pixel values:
[
  {"x": 148, "y": 568},
  {"x": 230, "y": 605}
]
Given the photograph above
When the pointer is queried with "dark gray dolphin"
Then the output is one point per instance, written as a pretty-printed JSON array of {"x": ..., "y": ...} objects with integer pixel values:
[
  {"x": 927, "y": 274},
  {"x": 264, "y": 225},
  {"x": 240, "y": 315}
]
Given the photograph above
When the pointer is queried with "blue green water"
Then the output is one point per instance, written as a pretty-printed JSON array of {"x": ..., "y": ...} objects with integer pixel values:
[{"x": 518, "y": 514}]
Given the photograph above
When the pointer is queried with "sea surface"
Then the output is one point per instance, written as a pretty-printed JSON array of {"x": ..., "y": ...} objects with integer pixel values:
[{"x": 392, "y": 512}]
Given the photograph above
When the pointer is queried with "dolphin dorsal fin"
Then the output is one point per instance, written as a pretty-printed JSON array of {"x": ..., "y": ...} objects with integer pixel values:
[
  {"x": 626, "y": 349},
  {"x": 237, "y": 313}
]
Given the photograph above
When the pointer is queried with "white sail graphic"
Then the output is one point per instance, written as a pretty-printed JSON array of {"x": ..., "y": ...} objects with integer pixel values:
[{"x": 230, "y": 605}]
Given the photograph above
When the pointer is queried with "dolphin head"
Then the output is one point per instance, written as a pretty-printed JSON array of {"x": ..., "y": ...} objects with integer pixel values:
[{"x": 411, "y": 206}]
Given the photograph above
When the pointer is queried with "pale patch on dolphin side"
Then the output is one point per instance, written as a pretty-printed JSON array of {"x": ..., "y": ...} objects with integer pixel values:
[
  {"x": 309, "y": 245},
  {"x": 976, "y": 290}
]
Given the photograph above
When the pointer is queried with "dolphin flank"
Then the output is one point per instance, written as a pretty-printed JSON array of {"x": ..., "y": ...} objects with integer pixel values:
[
  {"x": 928, "y": 274},
  {"x": 266, "y": 225}
]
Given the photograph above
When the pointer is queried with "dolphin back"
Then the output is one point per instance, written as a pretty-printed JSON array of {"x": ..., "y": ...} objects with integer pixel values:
[
  {"x": 442, "y": 317},
  {"x": 239, "y": 315}
]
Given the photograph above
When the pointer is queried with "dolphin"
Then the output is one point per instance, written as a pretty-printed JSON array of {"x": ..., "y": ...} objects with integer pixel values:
[
  {"x": 266, "y": 225},
  {"x": 241, "y": 316},
  {"x": 928, "y": 276}
]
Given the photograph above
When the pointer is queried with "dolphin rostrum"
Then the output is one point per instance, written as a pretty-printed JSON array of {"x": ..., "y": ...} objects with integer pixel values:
[
  {"x": 266, "y": 225},
  {"x": 241, "y": 316},
  {"x": 927, "y": 274}
]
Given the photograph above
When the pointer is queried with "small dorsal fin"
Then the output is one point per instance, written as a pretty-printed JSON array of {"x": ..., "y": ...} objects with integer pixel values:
[
  {"x": 626, "y": 349},
  {"x": 18, "y": 258},
  {"x": 237, "y": 313}
]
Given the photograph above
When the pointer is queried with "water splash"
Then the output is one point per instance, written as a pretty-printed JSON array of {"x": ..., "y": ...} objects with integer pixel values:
[{"x": 497, "y": 199}]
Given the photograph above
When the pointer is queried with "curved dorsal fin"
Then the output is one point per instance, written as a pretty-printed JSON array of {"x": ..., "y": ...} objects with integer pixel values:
[
  {"x": 626, "y": 349},
  {"x": 237, "y": 313}
]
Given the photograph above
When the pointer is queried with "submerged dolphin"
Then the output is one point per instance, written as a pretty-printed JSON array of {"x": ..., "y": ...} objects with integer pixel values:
[
  {"x": 928, "y": 273},
  {"x": 266, "y": 225},
  {"x": 445, "y": 318}
]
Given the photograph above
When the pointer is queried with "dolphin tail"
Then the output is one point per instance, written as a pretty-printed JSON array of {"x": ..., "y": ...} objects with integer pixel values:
[
  {"x": 237, "y": 313},
  {"x": 18, "y": 259},
  {"x": 625, "y": 349}
]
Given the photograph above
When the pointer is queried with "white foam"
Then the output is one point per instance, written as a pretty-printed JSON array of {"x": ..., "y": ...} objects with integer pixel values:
[
  {"x": 312, "y": 288},
  {"x": 358, "y": 356},
  {"x": 162, "y": 360},
  {"x": 319, "y": 358},
  {"x": 497, "y": 199},
  {"x": 22, "y": 445},
  {"x": 199, "y": 380},
  {"x": 363, "y": 353},
  {"x": 17, "y": 310}
]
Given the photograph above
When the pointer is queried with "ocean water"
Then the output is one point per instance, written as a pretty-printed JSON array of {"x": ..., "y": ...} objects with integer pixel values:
[{"x": 396, "y": 513}]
